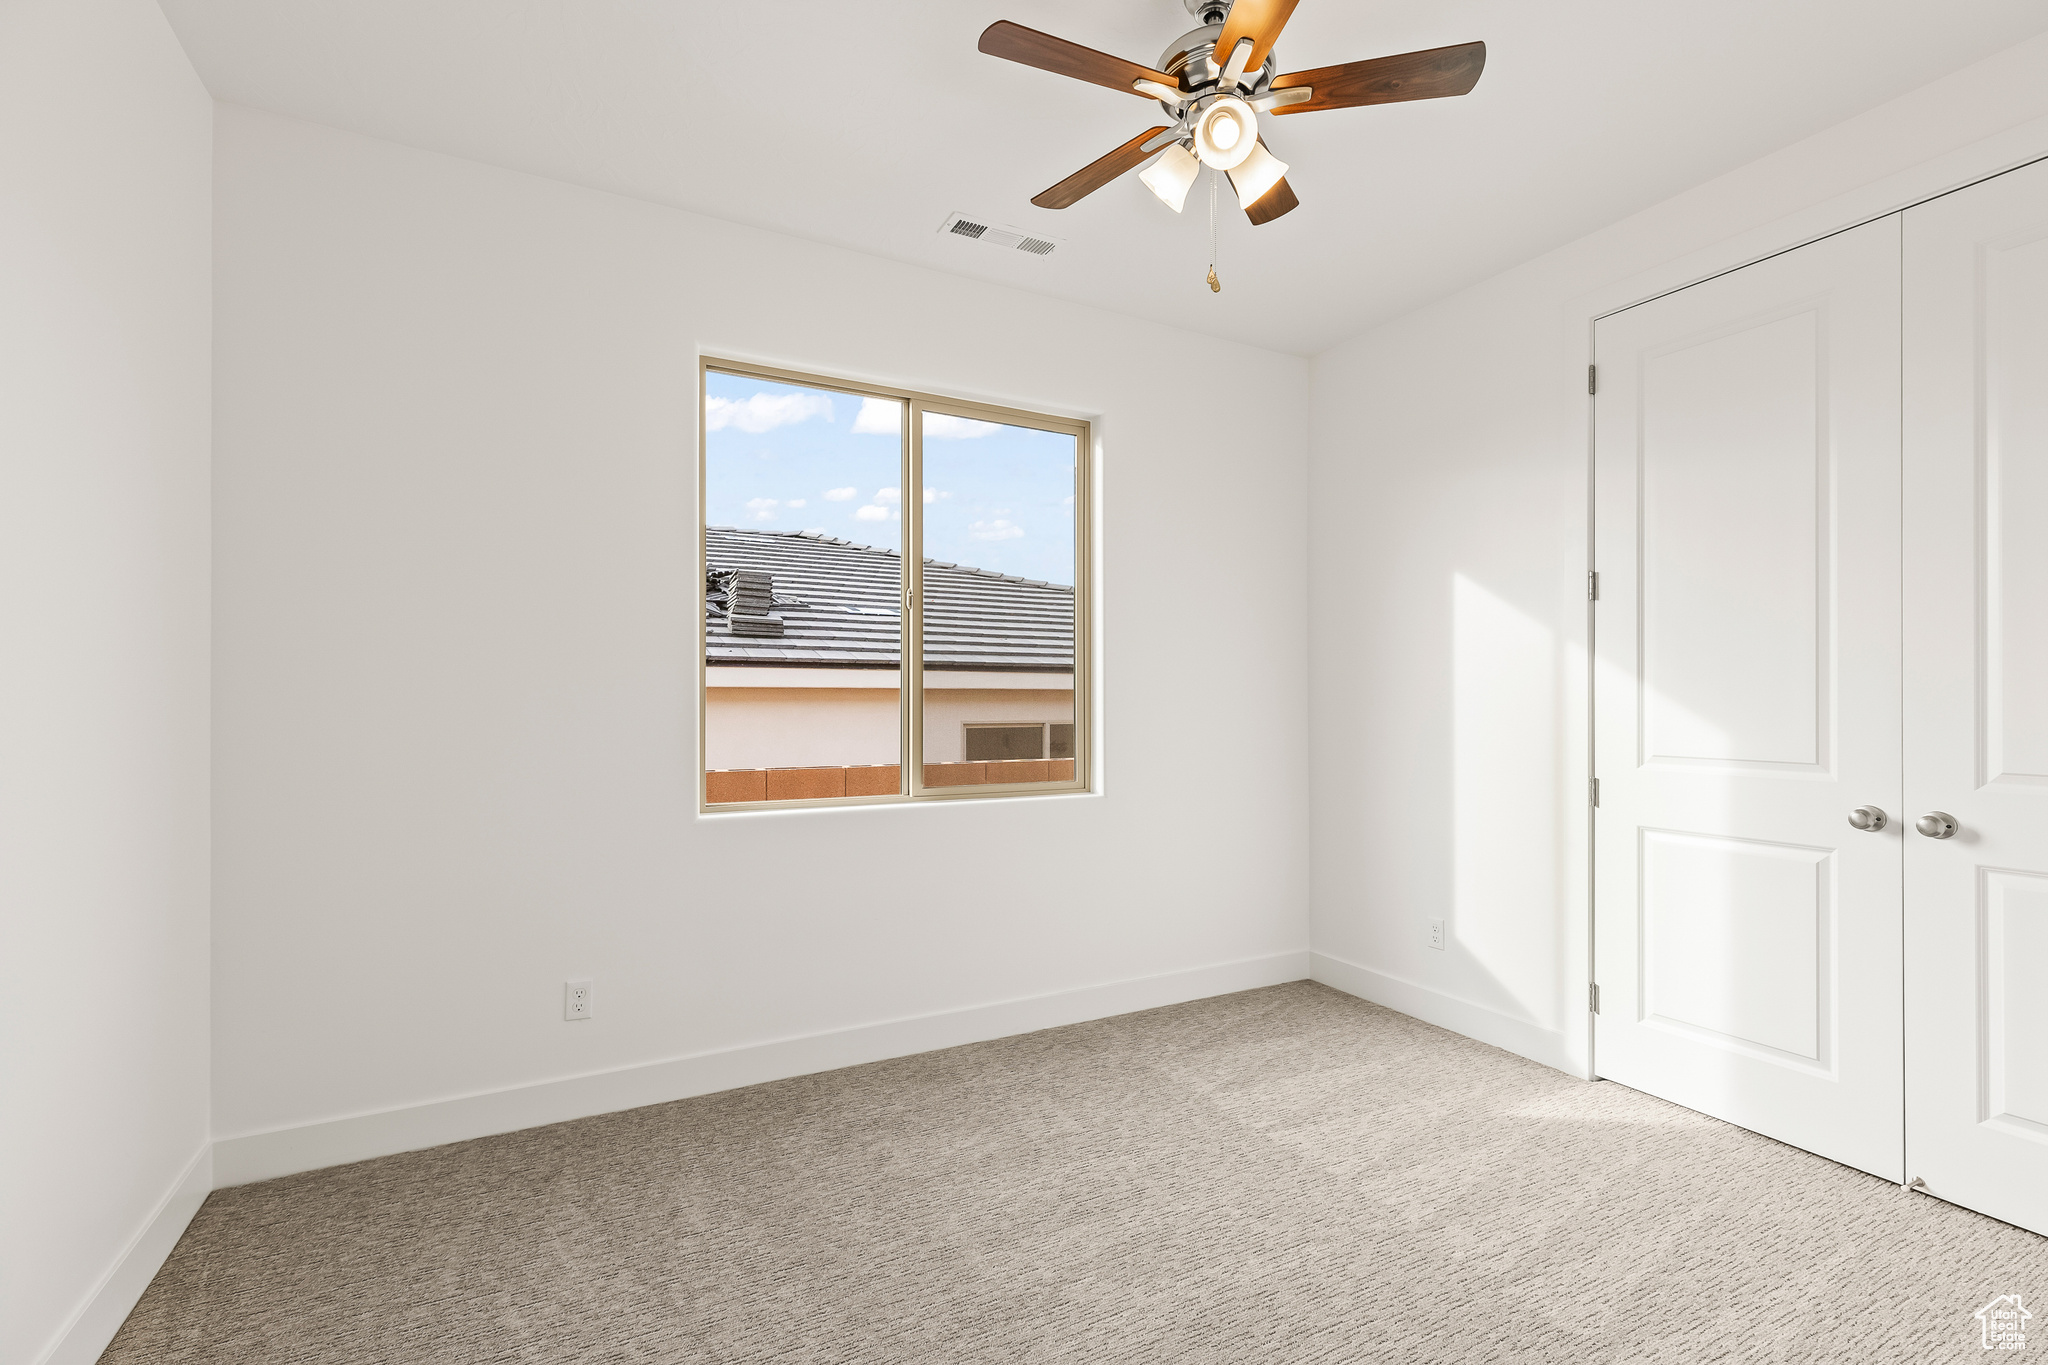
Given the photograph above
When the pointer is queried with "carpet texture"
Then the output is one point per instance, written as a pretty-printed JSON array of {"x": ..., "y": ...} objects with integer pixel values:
[{"x": 1281, "y": 1175}]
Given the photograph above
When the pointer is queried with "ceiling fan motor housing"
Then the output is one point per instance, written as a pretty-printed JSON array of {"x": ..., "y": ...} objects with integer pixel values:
[{"x": 1192, "y": 60}]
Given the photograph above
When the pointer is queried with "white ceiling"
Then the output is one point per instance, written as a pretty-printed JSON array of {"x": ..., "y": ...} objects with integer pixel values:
[{"x": 864, "y": 125}]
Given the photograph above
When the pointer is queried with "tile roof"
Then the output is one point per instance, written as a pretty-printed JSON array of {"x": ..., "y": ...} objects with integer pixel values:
[{"x": 839, "y": 607}]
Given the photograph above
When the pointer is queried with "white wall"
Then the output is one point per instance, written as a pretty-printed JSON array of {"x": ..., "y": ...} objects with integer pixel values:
[
  {"x": 455, "y": 512},
  {"x": 1448, "y": 551},
  {"x": 105, "y": 188}
]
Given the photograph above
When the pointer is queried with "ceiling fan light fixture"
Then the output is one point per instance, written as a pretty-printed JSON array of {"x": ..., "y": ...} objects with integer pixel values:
[
  {"x": 1171, "y": 175},
  {"x": 1201, "y": 85},
  {"x": 1226, "y": 132},
  {"x": 1256, "y": 175}
]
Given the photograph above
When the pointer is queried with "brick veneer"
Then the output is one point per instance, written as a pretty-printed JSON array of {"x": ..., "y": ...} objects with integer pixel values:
[{"x": 732, "y": 786}]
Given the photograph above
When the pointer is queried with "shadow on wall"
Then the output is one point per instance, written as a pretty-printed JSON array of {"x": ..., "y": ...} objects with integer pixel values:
[{"x": 1505, "y": 667}]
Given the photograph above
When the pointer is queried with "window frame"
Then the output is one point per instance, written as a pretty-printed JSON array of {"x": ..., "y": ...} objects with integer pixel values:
[{"x": 911, "y": 788}]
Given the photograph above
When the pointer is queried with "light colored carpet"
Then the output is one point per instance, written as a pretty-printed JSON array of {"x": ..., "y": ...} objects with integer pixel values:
[{"x": 1282, "y": 1175}]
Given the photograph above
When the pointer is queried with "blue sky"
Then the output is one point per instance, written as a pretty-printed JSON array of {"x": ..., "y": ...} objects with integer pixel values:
[{"x": 783, "y": 458}]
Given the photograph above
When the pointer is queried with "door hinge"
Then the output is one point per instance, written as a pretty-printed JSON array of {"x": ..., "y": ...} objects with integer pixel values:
[
  {"x": 1592, "y": 379},
  {"x": 1593, "y": 997},
  {"x": 1592, "y": 585},
  {"x": 1593, "y": 790}
]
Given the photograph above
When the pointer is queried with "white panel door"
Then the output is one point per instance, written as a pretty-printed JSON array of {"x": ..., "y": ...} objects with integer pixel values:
[
  {"x": 1747, "y": 697},
  {"x": 1976, "y": 315}
]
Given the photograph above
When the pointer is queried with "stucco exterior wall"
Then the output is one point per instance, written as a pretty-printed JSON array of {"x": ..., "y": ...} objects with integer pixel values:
[{"x": 799, "y": 727}]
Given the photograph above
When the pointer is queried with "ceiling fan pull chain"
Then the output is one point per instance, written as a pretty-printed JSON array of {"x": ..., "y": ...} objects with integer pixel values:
[{"x": 1215, "y": 285}]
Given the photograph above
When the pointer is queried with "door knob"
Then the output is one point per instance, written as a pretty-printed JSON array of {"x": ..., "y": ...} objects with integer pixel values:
[
  {"x": 1936, "y": 824},
  {"x": 1869, "y": 819}
]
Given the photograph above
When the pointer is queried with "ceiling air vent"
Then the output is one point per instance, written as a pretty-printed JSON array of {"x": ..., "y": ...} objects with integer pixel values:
[{"x": 998, "y": 235}]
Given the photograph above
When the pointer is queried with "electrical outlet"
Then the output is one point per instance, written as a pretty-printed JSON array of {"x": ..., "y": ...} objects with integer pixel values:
[
  {"x": 1436, "y": 934},
  {"x": 578, "y": 1000}
]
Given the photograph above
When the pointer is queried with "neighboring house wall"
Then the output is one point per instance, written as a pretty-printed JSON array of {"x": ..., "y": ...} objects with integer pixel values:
[
  {"x": 947, "y": 710},
  {"x": 1449, "y": 550},
  {"x": 781, "y": 726},
  {"x": 106, "y": 191},
  {"x": 802, "y": 727}
]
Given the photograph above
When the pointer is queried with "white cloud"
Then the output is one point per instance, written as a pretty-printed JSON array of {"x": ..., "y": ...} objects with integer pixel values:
[
  {"x": 765, "y": 411},
  {"x": 794, "y": 502},
  {"x": 1067, "y": 501},
  {"x": 884, "y": 417},
  {"x": 839, "y": 494},
  {"x": 870, "y": 514},
  {"x": 879, "y": 417},
  {"x": 762, "y": 508},
  {"x": 995, "y": 530},
  {"x": 938, "y": 426},
  {"x": 890, "y": 496},
  {"x": 933, "y": 495}
]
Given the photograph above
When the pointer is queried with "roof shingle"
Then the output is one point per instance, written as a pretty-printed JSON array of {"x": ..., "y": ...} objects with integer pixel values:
[{"x": 840, "y": 607}]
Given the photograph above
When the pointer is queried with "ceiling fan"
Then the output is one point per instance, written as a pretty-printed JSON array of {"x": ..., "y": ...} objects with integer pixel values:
[{"x": 1214, "y": 82}]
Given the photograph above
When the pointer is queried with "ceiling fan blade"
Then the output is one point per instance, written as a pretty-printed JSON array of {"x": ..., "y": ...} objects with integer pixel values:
[
  {"x": 1429, "y": 75},
  {"x": 1274, "y": 202},
  {"x": 1016, "y": 43},
  {"x": 1258, "y": 20},
  {"x": 1099, "y": 172}
]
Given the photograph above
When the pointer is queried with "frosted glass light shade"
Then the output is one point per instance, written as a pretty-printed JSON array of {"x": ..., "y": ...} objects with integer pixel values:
[
  {"x": 1258, "y": 174},
  {"x": 1170, "y": 176},
  {"x": 1226, "y": 132}
]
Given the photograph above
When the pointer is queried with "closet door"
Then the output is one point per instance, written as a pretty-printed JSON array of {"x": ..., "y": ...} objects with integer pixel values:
[
  {"x": 1976, "y": 591},
  {"x": 1747, "y": 698}
]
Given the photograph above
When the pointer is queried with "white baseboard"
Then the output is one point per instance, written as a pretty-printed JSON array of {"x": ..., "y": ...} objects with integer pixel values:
[
  {"x": 263, "y": 1156},
  {"x": 81, "y": 1340},
  {"x": 1433, "y": 1006}
]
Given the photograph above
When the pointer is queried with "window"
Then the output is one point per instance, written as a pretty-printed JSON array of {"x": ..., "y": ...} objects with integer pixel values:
[
  {"x": 1052, "y": 739},
  {"x": 1004, "y": 742},
  {"x": 860, "y": 645}
]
